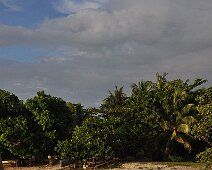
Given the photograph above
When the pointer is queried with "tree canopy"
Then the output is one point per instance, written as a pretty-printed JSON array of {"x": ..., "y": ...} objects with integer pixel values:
[{"x": 159, "y": 120}]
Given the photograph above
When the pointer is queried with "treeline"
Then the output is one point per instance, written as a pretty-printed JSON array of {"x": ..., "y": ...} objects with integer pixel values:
[{"x": 160, "y": 121}]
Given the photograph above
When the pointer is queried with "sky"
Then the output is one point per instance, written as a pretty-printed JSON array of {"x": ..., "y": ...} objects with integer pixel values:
[{"x": 80, "y": 49}]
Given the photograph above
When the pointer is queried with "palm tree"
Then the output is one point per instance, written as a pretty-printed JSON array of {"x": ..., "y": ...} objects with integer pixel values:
[
  {"x": 143, "y": 86},
  {"x": 115, "y": 101},
  {"x": 177, "y": 111}
]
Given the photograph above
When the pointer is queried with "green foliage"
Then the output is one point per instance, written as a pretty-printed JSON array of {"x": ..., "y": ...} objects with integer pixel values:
[
  {"x": 166, "y": 107},
  {"x": 143, "y": 104},
  {"x": 90, "y": 140},
  {"x": 177, "y": 110},
  {"x": 114, "y": 103},
  {"x": 15, "y": 136},
  {"x": 162, "y": 115},
  {"x": 53, "y": 121},
  {"x": 206, "y": 157},
  {"x": 14, "y": 128},
  {"x": 49, "y": 112},
  {"x": 142, "y": 115},
  {"x": 135, "y": 125},
  {"x": 10, "y": 105},
  {"x": 203, "y": 128},
  {"x": 78, "y": 113}
]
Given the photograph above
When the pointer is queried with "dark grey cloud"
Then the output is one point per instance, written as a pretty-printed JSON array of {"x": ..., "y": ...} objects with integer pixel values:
[{"x": 120, "y": 43}]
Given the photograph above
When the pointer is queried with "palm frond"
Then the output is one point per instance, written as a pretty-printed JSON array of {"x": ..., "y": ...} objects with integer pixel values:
[
  {"x": 181, "y": 138},
  {"x": 184, "y": 128},
  {"x": 165, "y": 125},
  {"x": 174, "y": 134},
  {"x": 187, "y": 108},
  {"x": 188, "y": 120},
  {"x": 196, "y": 83}
]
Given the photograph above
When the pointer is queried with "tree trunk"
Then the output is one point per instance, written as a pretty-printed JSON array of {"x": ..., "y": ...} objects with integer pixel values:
[
  {"x": 1, "y": 164},
  {"x": 167, "y": 150}
]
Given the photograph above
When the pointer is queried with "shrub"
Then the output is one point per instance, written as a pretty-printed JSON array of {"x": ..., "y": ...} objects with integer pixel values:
[{"x": 206, "y": 157}]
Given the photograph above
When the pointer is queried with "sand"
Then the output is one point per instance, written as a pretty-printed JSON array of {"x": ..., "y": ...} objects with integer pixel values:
[{"x": 124, "y": 166}]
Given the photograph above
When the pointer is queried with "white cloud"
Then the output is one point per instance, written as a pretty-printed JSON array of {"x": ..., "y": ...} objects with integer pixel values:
[
  {"x": 11, "y": 5},
  {"x": 72, "y": 6}
]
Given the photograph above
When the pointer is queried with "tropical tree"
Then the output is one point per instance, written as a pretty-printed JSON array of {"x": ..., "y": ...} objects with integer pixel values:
[
  {"x": 14, "y": 126},
  {"x": 203, "y": 128},
  {"x": 1, "y": 164},
  {"x": 142, "y": 116},
  {"x": 10, "y": 105},
  {"x": 143, "y": 102},
  {"x": 91, "y": 140},
  {"x": 115, "y": 102},
  {"x": 53, "y": 121},
  {"x": 128, "y": 131},
  {"x": 78, "y": 113},
  {"x": 177, "y": 110},
  {"x": 206, "y": 157}
]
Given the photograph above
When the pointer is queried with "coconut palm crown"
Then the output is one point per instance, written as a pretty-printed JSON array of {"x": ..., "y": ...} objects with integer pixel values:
[{"x": 178, "y": 109}]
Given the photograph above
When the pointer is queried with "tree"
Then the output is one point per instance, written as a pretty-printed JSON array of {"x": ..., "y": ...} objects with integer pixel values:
[
  {"x": 54, "y": 121},
  {"x": 1, "y": 164},
  {"x": 10, "y": 105},
  {"x": 78, "y": 113},
  {"x": 203, "y": 128},
  {"x": 14, "y": 128},
  {"x": 142, "y": 116},
  {"x": 91, "y": 140},
  {"x": 115, "y": 102},
  {"x": 129, "y": 132},
  {"x": 15, "y": 136},
  {"x": 205, "y": 157},
  {"x": 143, "y": 102},
  {"x": 168, "y": 107},
  {"x": 177, "y": 110}
]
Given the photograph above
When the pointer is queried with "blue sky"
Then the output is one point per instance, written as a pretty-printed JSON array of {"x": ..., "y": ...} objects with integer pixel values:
[
  {"x": 79, "y": 49},
  {"x": 29, "y": 13}
]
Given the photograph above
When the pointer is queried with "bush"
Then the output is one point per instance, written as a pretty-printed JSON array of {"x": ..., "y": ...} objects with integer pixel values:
[
  {"x": 90, "y": 140},
  {"x": 206, "y": 157}
]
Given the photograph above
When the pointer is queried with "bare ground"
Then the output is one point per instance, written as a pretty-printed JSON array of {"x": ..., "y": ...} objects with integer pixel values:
[
  {"x": 44, "y": 167},
  {"x": 154, "y": 166},
  {"x": 124, "y": 166}
]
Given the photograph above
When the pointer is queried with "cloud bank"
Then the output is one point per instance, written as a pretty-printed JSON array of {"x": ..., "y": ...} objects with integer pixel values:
[{"x": 101, "y": 44}]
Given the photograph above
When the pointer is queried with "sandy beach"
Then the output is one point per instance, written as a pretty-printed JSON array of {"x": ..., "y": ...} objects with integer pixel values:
[{"x": 124, "y": 166}]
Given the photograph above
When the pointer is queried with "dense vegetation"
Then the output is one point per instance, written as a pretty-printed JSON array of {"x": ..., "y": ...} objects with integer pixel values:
[{"x": 161, "y": 121}]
